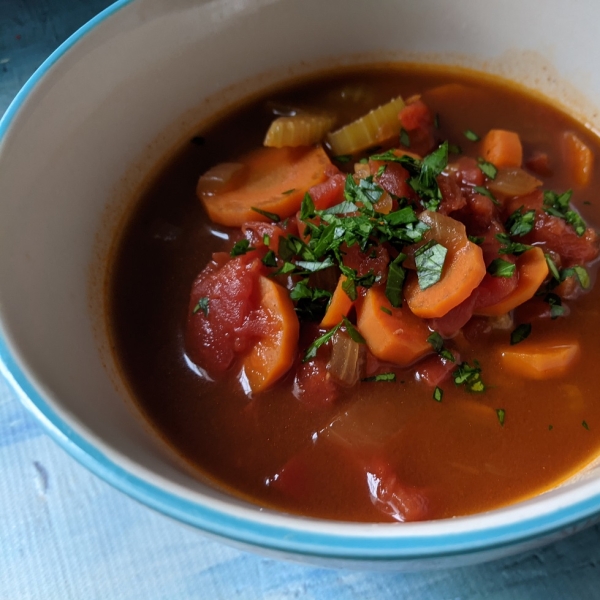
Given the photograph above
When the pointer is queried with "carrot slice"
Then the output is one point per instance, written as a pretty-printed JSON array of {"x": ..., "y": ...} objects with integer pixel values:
[
  {"x": 274, "y": 353},
  {"x": 540, "y": 360},
  {"x": 274, "y": 180},
  {"x": 464, "y": 268},
  {"x": 399, "y": 337},
  {"x": 579, "y": 159},
  {"x": 532, "y": 269},
  {"x": 502, "y": 148},
  {"x": 339, "y": 306}
]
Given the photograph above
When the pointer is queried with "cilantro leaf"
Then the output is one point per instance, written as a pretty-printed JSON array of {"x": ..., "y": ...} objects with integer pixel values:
[
  {"x": 271, "y": 216},
  {"x": 580, "y": 272},
  {"x": 437, "y": 343},
  {"x": 381, "y": 377},
  {"x": 429, "y": 260},
  {"x": 202, "y": 305},
  {"x": 559, "y": 205},
  {"x": 501, "y": 415},
  {"x": 510, "y": 247},
  {"x": 343, "y": 158},
  {"x": 311, "y": 351},
  {"x": 395, "y": 281},
  {"x": 520, "y": 223},
  {"x": 520, "y": 333},
  {"x": 404, "y": 139},
  {"x": 438, "y": 394},
  {"x": 471, "y": 135},
  {"x": 487, "y": 168},
  {"x": 469, "y": 376},
  {"x": 353, "y": 332},
  {"x": 556, "y": 307},
  {"x": 241, "y": 248},
  {"x": 552, "y": 267},
  {"x": 501, "y": 268},
  {"x": 270, "y": 259},
  {"x": 311, "y": 302},
  {"x": 485, "y": 192}
]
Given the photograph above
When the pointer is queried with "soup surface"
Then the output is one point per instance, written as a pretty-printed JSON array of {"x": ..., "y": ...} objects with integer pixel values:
[{"x": 459, "y": 422}]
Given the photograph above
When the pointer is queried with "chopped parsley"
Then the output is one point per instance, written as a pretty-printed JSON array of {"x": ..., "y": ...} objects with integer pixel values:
[
  {"x": 501, "y": 415},
  {"x": 429, "y": 260},
  {"x": 311, "y": 302},
  {"x": 343, "y": 158},
  {"x": 311, "y": 351},
  {"x": 270, "y": 259},
  {"x": 438, "y": 394},
  {"x": 487, "y": 168},
  {"x": 471, "y": 135},
  {"x": 395, "y": 281},
  {"x": 469, "y": 376},
  {"x": 585, "y": 425},
  {"x": 271, "y": 216},
  {"x": 381, "y": 377},
  {"x": 241, "y": 248},
  {"x": 404, "y": 139},
  {"x": 454, "y": 149},
  {"x": 559, "y": 205},
  {"x": 552, "y": 267},
  {"x": 580, "y": 273},
  {"x": 387, "y": 311},
  {"x": 266, "y": 239},
  {"x": 501, "y": 268},
  {"x": 353, "y": 332},
  {"x": 202, "y": 305},
  {"x": 520, "y": 223},
  {"x": 556, "y": 307},
  {"x": 510, "y": 247},
  {"x": 485, "y": 192},
  {"x": 476, "y": 239},
  {"x": 437, "y": 343},
  {"x": 288, "y": 192},
  {"x": 520, "y": 333}
]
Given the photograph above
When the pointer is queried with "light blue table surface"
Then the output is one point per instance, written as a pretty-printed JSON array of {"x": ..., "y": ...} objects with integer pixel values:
[{"x": 64, "y": 534}]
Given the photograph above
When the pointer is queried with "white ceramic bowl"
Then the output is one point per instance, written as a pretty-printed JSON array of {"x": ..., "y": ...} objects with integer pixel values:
[{"x": 97, "y": 117}]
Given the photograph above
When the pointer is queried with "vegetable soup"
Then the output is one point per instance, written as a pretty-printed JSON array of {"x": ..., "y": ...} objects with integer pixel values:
[{"x": 368, "y": 296}]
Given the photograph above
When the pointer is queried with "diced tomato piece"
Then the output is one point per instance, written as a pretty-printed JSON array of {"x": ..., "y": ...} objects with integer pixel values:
[
  {"x": 477, "y": 328},
  {"x": 314, "y": 385},
  {"x": 536, "y": 309},
  {"x": 417, "y": 120},
  {"x": 434, "y": 370},
  {"x": 448, "y": 325},
  {"x": 255, "y": 231},
  {"x": 375, "y": 259},
  {"x": 394, "y": 178},
  {"x": 493, "y": 289},
  {"x": 491, "y": 244},
  {"x": 468, "y": 171},
  {"x": 453, "y": 198},
  {"x": 328, "y": 193},
  {"x": 539, "y": 163},
  {"x": 214, "y": 339},
  {"x": 556, "y": 234},
  {"x": 532, "y": 201},
  {"x": 392, "y": 497}
]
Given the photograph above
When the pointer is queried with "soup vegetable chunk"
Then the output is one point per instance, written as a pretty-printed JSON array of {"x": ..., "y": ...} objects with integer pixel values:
[{"x": 370, "y": 297}]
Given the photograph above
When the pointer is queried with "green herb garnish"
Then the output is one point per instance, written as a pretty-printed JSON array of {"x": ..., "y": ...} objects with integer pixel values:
[
  {"x": 501, "y": 414},
  {"x": 429, "y": 260},
  {"x": 271, "y": 216},
  {"x": 404, "y": 139},
  {"x": 559, "y": 205},
  {"x": 501, "y": 268},
  {"x": 556, "y": 307},
  {"x": 343, "y": 158},
  {"x": 438, "y": 394},
  {"x": 510, "y": 247},
  {"x": 437, "y": 343},
  {"x": 485, "y": 192},
  {"x": 387, "y": 311},
  {"x": 585, "y": 425},
  {"x": 381, "y": 377},
  {"x": 469, "y": 376},
  {"x": 241, "y": 248},
  {"x": 487, "y": 168},
  {"x": 395, "y": 281},
  {"x": 471, "y": 135},
  {"x": 520, "y": 333},
  {"x": 202, "y": 305}
]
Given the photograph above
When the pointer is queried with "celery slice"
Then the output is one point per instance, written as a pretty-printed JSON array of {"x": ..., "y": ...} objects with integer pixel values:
[
  {"x": 375, "y": 127},
  {"x": 298, "y": 130}
]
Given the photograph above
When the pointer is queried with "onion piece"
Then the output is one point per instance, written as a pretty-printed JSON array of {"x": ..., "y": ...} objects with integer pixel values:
[
  {"x": 298, "y": 130},
  {"x": 221, "y": 178},
  {"x": 513, "y": 182},
  {"x": 375, "y": 127},
  {"x": 347, "y": 359}
]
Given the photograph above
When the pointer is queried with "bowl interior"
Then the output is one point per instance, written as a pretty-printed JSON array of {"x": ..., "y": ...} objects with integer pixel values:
[{"x": 96, "y": 120}]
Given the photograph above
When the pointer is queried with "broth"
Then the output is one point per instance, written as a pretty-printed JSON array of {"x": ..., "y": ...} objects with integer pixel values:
[{"x": 454, "y": 452}]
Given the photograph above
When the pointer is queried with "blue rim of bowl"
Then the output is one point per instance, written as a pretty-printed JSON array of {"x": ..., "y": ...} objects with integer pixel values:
[{"x": 361, "y": 543}]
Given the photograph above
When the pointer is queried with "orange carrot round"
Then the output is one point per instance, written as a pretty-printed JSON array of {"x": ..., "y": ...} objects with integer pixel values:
[
  {"x": 274, "y": 353},
  {"x": 274, "y": 180},
  {"x": 532, "y": 269},
  {"x": 464, "y": 268},
  {"x": 399, "y": 337},
  {"x": 540, "y": 360},
  {"x": 502, "y": 148},
  {"x": 339, "y": 306}
]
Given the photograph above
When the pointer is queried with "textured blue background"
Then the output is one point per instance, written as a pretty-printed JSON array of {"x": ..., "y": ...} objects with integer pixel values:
[{"x": 64, "y": 534}]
